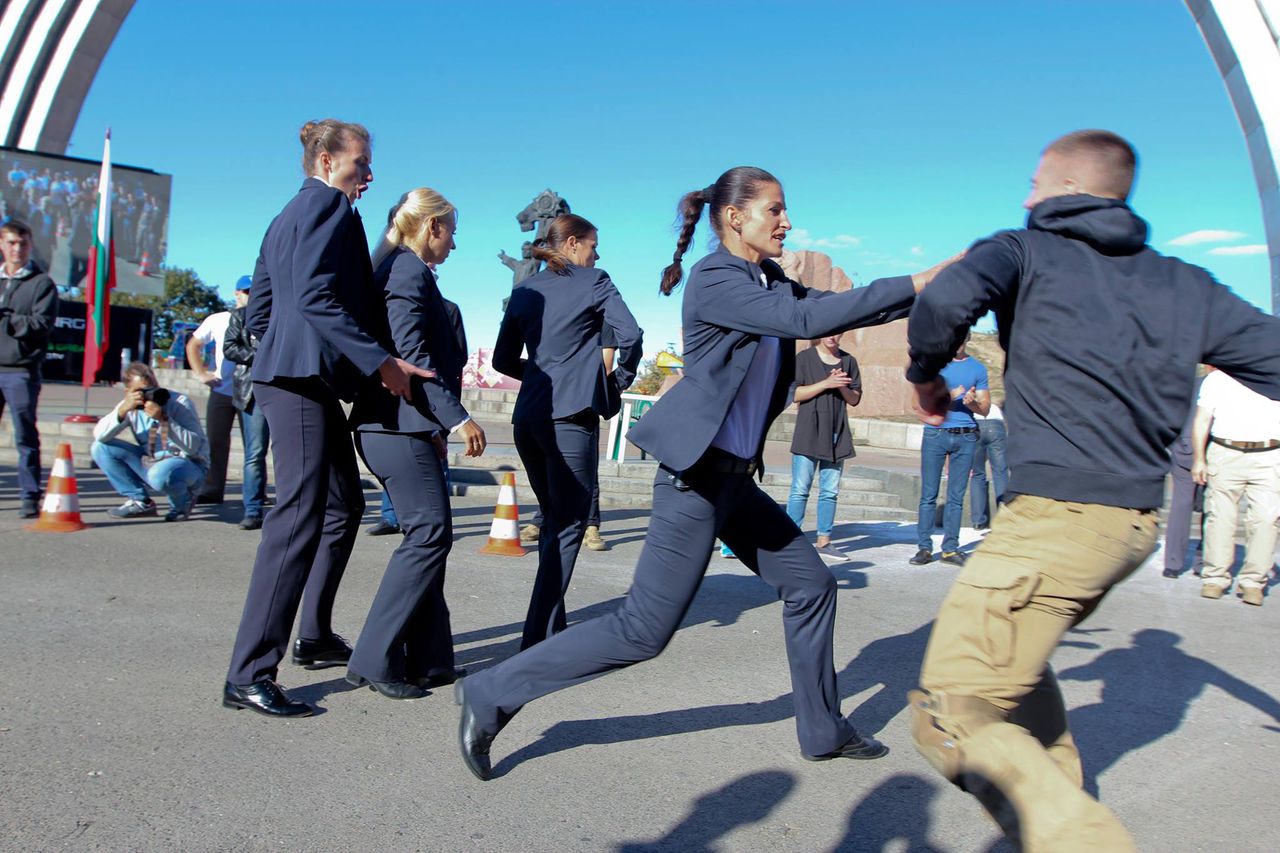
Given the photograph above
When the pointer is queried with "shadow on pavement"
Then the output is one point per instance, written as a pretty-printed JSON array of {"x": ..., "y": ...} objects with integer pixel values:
[
  {"x": 744, "y": 801},
  {"x": 1136, "y": 711}
]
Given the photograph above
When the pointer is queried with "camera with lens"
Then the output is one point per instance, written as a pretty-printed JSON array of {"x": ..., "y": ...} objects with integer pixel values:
[{"x": 159, "y": 396}]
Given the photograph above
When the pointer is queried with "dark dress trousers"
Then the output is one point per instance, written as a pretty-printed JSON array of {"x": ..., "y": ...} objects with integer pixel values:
[
  {"x": 1187, "y": 497},
  {"x": 309, "y": 305},
  {"x": 407, "y": 633},
  {"x": 696, "y": 499},
  {"x": 564, "y": 391}
]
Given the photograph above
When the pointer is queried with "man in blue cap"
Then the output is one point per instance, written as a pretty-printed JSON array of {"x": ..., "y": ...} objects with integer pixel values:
[{"x": 255, "y": 436}]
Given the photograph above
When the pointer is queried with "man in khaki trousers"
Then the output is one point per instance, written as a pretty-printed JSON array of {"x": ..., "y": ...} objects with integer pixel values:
[
  {"x": 1099, "y": 379},
  {"x": 1235, "y": 445}
]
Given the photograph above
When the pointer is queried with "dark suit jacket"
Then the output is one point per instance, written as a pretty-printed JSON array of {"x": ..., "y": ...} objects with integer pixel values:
[
  {"x": 416, "y": 327},
  {"x": 558, "y": 318},
  {"x": 726, "y": 311},
  {"x": 310, "y": 302}
]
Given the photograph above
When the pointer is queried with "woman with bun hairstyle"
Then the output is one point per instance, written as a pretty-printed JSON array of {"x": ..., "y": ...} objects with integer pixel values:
[
  {"x": 565, "y": 388},
  {"x": 406, "y": 645},
  {"x": 741, "y": 318},
  {"x": 311, "y": 306}
]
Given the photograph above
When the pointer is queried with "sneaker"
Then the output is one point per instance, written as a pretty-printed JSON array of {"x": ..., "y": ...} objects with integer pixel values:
[
  {"x": 1251, "y": 595},
  {"x": 954, "y": 558},
  {"x": 30, "y": 508},
  {"x": 529, "y": 534},
  {"x": 1212, "y": 590},
  {"x": 922, "y": 557},
  {"x": 831, "y": 552},
  {"x": 179, "y": 513},
  {"x": 133, "y": 509},
  {"x": 251, "y": 522},
  {"x": 592, "y": 539}
]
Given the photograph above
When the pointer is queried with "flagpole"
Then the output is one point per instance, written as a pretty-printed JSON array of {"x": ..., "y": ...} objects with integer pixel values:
[{"x": 102, "y": 268}]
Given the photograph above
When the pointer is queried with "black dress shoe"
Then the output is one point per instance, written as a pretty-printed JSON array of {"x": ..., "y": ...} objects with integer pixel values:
[
  {"x": 922, "y": 557},
  {"x": 858, "y": 747},
  {"x": 1171, "y": 573},
  {"x": 390, "y": 689},
  {"x": 473, "y": 743},
  {"x": 251, "y": 522},
  {"x": 954, "y": 558},
  {"x": 438, "y": 679},
  {"x": 318, "y": 654},
  {"x": 266, "y": 698},
  {"x": 383, "y": 528},
  {"x": 30, "y": 508}
]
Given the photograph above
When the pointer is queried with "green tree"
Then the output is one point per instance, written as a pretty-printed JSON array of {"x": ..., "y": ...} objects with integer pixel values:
[{"x": 649, "y": 377}]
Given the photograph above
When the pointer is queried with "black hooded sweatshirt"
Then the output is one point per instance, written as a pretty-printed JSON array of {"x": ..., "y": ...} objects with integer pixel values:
[{"x": 1102, "y": 336}]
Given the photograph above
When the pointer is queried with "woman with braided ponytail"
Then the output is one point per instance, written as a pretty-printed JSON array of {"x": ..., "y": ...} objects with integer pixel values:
[{"x": 741, "y": 318}]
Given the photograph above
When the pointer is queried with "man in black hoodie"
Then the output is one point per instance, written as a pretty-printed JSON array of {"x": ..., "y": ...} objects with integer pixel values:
[
  {"x": 28, "y": 305},
  {"x": 1102, "y": 336}
]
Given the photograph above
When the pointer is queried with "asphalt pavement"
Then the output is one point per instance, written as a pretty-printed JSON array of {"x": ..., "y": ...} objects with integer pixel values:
[{"x": 112, "y": 736}]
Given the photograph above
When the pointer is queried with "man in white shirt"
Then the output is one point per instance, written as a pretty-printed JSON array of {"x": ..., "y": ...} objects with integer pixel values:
[
  {"x": 220, "y": 410},
  {"x": 1235, "y": 440}
]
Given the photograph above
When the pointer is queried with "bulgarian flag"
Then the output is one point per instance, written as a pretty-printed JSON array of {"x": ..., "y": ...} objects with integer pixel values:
[{"x": 101, "y": 279}]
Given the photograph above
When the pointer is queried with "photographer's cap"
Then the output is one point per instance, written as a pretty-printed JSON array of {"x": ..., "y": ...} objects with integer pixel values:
[{"x": 242, "y": 286}]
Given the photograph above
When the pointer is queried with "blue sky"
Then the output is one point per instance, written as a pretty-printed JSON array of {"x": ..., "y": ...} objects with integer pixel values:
[{"x": 901, "y": 131}]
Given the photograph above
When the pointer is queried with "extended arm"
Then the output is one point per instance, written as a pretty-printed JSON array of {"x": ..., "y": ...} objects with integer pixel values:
[
  {"x": 728, "y": 296},
  {"x": 1241, "y": 341}
]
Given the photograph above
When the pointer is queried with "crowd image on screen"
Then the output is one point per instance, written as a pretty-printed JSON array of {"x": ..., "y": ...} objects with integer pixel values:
[{"x": 59, "y": 206}]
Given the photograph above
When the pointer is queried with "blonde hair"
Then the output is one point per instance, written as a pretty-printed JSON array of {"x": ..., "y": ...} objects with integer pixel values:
[
  {"x": 409, "y": 222},
  {"x": 329, "y": 135}
]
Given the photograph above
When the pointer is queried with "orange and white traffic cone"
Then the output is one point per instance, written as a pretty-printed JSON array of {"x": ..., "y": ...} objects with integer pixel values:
[
  {"x": 144, "y": 268},
  {"x": 504, "y": 533},
  {"x": 60, "y": 512}
]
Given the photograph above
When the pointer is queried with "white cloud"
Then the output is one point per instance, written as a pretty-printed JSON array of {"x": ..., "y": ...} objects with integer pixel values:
[
  {"x": 1207, "y": 235},
  {"x": 1251, "y": 249},
  {"x": 802, "y": 239},
  {"x": 917, "y": 251}
]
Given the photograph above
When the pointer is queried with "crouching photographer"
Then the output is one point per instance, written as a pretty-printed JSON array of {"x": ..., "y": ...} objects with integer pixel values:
[{"x": 169, "y": 454}]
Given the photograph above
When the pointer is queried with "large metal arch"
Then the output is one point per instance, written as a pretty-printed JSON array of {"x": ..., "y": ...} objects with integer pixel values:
[{"x": 50, "y": 51}]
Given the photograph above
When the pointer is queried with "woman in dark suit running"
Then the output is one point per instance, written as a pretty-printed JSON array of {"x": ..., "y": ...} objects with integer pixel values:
[
  {"x": 407, "y": 643},
  {"x": 741, "y": 317},
  {"x": 309, "y": 304},
  {"x": 565, "y": 389}
]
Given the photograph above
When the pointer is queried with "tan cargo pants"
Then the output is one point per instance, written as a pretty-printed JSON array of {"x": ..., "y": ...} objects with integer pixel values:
[
  {"x": 990, "y": 715},
  {"x": 1256, "y": 477}
]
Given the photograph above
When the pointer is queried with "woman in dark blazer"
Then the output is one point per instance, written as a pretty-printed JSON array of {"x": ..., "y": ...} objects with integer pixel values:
[
  {"x": 565, "y": 388},
  {"x": 309, "y": 307},
  {"x": 406, "y": 645},
  {"x": 741, "y": 319}
]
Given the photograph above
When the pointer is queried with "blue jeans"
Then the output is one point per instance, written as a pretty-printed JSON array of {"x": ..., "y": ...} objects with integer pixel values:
[
  {"x": 936, "y": 448},
  {"x": 802, "y": 470},
  {"x": 254, "y": 435},
  {"x": 990, "y": 447},
  {"x": 20, "y": 391},
  {"x": 121, "y": 462}
]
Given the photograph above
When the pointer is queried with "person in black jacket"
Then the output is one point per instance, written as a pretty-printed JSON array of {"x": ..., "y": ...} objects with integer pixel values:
[
  {"x": 28, "y": 305},
  {"x": 742, "y": 316},
  {"x": 1103, "y": 335},
  {"x": 239, "y": 347},
  {"x": 406, "y": 645},
  {"x": 565, "y": 388},
  {"x": 311, "y": 307}
]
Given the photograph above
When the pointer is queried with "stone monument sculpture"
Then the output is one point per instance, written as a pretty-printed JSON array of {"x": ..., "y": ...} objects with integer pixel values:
[{"x": 536, "y": 217}]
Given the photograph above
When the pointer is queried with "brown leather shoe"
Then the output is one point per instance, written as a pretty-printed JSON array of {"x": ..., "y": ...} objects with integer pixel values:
[
  {"x": 1251, "y": 595},
  {"x": 1212, "y": 590}
]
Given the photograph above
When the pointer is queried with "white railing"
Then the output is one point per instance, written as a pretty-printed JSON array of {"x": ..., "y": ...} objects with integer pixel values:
[{"x": 633, "y": 406}]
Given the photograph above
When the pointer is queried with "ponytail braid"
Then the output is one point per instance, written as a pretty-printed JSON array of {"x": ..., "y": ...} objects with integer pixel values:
[{"x": 690, "y": 210}]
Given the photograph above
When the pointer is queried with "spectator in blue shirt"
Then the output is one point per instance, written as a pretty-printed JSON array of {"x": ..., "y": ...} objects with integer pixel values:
[{"x": 952, "y": 443}]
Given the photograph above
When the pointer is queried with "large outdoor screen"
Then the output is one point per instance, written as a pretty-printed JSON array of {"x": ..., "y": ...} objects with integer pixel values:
[{"x": 56, "y": 196}]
